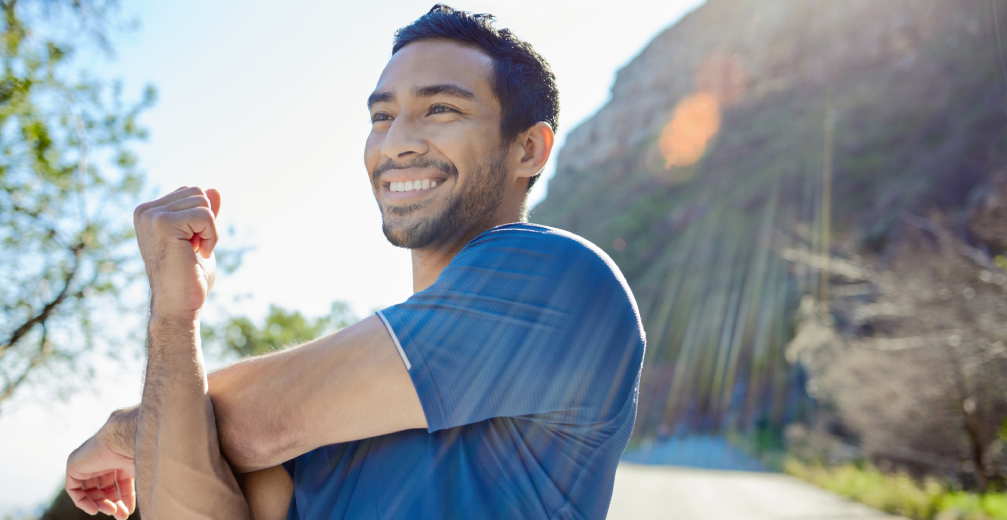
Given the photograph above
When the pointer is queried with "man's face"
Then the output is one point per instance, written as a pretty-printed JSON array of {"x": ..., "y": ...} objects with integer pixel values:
[{"x": 434, "y": 155}]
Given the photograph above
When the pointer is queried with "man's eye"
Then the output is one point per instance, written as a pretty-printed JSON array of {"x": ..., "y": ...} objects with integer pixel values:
[
  {"x": 380, "y": 116},
  {"x": 440, "y": 109}
]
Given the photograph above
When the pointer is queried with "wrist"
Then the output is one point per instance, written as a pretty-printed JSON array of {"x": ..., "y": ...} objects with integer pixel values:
[
  {"x": 164, "y": 312},
  {"x": 119, "y": 432},
  {"x": 174, "y": 320}
]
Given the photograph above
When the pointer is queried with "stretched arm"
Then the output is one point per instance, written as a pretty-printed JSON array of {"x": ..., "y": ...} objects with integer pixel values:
[{"x": 346, "y": 386}]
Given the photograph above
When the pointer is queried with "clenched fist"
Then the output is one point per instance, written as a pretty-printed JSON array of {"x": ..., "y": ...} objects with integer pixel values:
[{"x": 177, "y": 234}]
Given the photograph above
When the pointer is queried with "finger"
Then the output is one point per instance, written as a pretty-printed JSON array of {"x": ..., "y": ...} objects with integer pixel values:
[
  {"x": 111, "y": 493},
  {"x": 196, "y": 200},
  {"x": 202, "y": 225},
  {"x": 98, "y": 498},
  {"x": 106, "y": 481},
  {"x": 180, "y": 193},
  {"x": 94, "y": 494},
  {"x": 121, "y": 513},
  {"x": 106, "y": 506},
  {"x": 185, "y": 224},
  {"x": 82, "y": 501},
  {"x": 127, "y": 491},
  {"x": 214, "y": 197}
]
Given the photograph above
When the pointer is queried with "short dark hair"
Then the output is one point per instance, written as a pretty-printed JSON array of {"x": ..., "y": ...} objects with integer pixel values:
[{"x": 522, "y": 80}]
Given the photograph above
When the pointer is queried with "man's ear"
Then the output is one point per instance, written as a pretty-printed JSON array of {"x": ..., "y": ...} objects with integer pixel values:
[{"x": 535, "y": 145}]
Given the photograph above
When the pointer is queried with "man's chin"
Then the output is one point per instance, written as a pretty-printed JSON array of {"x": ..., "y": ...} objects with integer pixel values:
[{"x": 409, "y": 234}]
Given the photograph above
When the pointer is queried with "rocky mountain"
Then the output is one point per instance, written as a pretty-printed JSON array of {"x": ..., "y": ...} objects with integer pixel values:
[{"x": 751, "y": 142}]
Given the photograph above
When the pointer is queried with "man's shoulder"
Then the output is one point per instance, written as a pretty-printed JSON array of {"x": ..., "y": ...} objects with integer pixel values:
[
  {"x": 556, "y": 261},
  {"x": 543, "y": 242},
  {"x": 535, "y": 233}
]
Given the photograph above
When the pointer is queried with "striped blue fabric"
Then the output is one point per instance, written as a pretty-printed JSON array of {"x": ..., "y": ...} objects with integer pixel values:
[{"x": 526, "y": 355}]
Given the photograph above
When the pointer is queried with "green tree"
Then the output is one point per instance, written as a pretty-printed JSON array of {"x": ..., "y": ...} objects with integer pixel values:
[
  {"x": 68, "y": 183},
  {"x": 281, "y": 328}
]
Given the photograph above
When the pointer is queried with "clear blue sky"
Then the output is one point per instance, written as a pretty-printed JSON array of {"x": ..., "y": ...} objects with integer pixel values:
[{"x": 265, "y": 101}]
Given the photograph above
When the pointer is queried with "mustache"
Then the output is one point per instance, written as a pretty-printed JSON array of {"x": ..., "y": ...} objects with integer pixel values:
[{"x": 443, "y": 166}]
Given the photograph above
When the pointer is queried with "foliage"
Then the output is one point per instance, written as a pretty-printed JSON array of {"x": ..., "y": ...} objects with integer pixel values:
[
  {"x": 68, "y": 181},
  {"x": 901, "y": 494},
  {"x": 242, "y": 337},
  {"x": 910, "y": 351}
]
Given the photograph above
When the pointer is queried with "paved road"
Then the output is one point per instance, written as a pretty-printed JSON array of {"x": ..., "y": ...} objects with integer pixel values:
[{"x": 670, "y": 493}]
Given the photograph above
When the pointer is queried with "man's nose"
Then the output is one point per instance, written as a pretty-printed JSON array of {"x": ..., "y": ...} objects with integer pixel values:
[{"x": 404, "y": 137}]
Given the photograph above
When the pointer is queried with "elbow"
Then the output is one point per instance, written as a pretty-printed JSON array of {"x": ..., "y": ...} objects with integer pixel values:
[
  {"x": 240, "y": 449},
  {"x": 251, "y": 442}
]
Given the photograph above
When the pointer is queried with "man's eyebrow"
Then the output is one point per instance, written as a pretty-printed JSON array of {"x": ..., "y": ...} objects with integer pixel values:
[
  {"x": 380, "y": 97},
  {"x": 446, "y": 89}
]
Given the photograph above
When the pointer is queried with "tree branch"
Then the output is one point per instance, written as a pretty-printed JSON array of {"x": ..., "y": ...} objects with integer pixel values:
[
  {"x": 43, "y": 315},
  {"x": 45, "y": 350}
]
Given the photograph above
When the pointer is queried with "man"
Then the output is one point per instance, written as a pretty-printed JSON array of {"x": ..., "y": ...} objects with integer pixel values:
[{"x": 505, "y": 387}]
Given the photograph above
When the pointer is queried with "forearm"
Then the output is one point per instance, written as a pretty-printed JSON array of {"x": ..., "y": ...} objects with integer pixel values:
[{"x": 180, "y": 471}]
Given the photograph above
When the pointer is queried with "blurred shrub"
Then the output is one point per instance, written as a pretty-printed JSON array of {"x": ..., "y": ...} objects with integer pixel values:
[
  {"x": 241, "y": 336},
  {"x": 899, "y": 493}
]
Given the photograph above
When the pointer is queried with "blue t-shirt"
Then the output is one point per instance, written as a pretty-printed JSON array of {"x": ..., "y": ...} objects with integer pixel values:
[{"x": 526, "y": 355}]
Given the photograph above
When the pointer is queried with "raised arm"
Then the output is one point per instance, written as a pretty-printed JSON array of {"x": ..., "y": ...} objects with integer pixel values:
[{"x": 180, "y": 472}]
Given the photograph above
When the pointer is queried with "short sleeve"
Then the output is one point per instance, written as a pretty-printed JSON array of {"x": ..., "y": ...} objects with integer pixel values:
[{"x": 524, "y": 320}]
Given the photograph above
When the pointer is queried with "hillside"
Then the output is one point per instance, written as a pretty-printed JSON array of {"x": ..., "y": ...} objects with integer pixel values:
[{"x": 754, "y": 129}]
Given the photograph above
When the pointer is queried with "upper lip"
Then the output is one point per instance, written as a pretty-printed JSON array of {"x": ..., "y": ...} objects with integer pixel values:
[{"x": 412, "y": 174}]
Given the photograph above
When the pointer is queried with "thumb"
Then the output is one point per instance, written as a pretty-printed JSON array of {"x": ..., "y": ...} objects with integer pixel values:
[{"x": 214, "y": 197}]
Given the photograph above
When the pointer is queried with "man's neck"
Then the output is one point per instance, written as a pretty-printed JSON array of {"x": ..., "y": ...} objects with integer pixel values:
[{"x": 428, "y": 262}]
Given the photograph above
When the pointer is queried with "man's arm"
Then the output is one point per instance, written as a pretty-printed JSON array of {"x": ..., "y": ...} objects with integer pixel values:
[
  {"x": 346, "y": 386},
  {"x": 268, "y": 492},
  {"x": 108, "y": 455},
  {"x": 180, "y": 472},
  {"x": 269, "y": 409}
]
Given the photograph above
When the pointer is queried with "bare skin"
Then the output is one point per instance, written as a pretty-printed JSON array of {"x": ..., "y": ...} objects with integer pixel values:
[
  {"x": 177, "y": 453},
  {"x": 192, "y": 433}
]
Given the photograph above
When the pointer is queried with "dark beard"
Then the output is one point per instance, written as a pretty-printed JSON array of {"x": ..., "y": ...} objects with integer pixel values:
[{"x": 471, "y": 210}]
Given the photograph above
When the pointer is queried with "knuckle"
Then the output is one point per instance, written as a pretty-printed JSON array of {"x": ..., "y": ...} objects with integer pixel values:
[
  {"x": 160, "y": 220},
  {"x": 138, "y": 212},
  {"x": 204, "y": 213}
]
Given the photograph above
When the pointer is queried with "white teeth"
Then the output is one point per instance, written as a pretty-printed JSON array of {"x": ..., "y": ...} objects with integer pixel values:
[{"x": 412, "y": 185}]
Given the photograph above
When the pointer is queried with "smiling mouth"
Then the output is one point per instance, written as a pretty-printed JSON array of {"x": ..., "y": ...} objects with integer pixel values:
[{"x": 411, "y": 186}]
